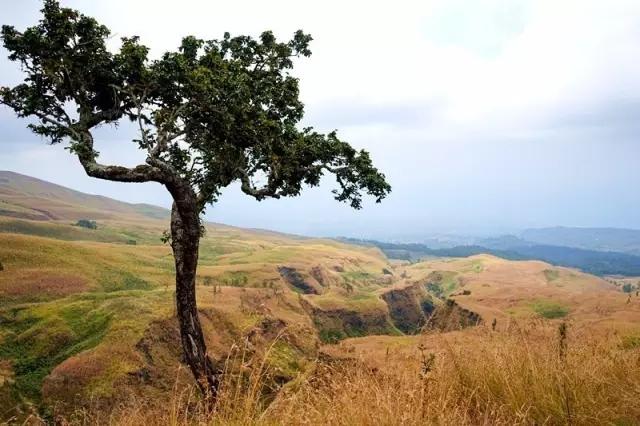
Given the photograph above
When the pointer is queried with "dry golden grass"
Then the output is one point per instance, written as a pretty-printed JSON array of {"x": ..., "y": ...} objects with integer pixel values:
[
  {"x": 525, "y": 375},
  {"x": 53, "y": 292},
  {"x": 503, "y": 289},
  {"x": 75, "y": 311}
]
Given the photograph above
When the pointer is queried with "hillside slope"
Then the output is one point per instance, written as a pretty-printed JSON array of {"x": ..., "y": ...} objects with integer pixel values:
[
  {"x": 26, "y": 197},
  {"x": 87, "y": 316},
  {"x": 96, "y": 314}
]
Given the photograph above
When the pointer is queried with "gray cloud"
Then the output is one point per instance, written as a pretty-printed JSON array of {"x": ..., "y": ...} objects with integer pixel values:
[
  {"x": 489, "y": 127},
  {"x": 347, "y": 112},
  {"x": 615, "y": 114}
]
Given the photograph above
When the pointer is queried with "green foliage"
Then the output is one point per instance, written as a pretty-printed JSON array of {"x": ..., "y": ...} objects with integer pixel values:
[
  {"x": 435, "y": 289},
  {"x": 549, "y": 309},
  {"x": 209, "y": 113},
  {"x": 332, "y": 335},
  {"x": 442, "y": 283},
  {"x": 236, "y": 279},
  {"x": 628, "y": 288},
  {"x": 86, "y": 223}
]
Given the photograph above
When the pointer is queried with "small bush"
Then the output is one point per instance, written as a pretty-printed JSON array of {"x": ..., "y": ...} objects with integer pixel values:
[
  {"x": 86, "y": 223},
  {"x": 549, "y": 309},
  {"x": 435, "y": 289},
  {"x": 630, "y": 342},
  {"x": 627, "y": 288},
  {"x": 132, "y": 242}
]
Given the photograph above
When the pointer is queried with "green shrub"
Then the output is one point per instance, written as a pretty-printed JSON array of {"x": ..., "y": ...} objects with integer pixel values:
[
  {"x": 86, "y": 223},
  {"x": 550, "y": 309},
  {"x": 630, "y": 342},
  {"x": 435, "y": 289},
  {"x": 332, "y": 336}
]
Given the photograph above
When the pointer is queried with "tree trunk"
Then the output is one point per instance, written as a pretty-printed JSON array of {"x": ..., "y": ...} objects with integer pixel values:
[{"x": 185, "y": 240}]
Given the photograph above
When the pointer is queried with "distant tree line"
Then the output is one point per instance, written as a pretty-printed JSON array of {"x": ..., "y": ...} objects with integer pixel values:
[{"x": 591, "y": 261}]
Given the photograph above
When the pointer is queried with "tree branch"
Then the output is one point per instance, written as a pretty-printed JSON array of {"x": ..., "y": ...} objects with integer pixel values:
[
  {"x": 248, "y": 188},
  {"x": 141, "y": 173},
  {"x": 83, "y": 147},
  {"x": 44, "y": 117},
  {"x": 165, "y": 137}
]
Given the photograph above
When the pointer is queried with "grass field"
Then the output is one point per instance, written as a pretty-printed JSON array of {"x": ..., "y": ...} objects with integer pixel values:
[
  {"x": 75, "y": 311},
  {"x": 527, "y": 374},
  {"x": 309, "y": 330}
]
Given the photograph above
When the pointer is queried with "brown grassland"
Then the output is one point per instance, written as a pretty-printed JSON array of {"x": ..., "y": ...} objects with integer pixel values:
[
  {"x": 309, "y": 331},
  {"x": 525, "y": 374}
]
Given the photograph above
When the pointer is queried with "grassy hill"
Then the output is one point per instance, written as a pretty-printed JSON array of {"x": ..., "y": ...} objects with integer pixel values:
[
  {"x": 77, "y": 305},
  {"x": 87, "y": 320},
  {"x": 26, "y": 197}
]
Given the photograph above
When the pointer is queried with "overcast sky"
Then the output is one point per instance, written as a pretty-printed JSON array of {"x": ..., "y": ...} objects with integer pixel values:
[{"x": 486, "y": 116}]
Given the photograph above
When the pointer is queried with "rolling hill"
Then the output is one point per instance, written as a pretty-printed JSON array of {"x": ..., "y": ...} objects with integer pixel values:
[
  {"x": 71, "y": 298},
  {"x": 26, "y": 197},
  {"x": 87, "y": 317}
]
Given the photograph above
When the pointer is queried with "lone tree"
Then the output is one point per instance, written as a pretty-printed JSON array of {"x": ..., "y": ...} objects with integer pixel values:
[{"x": 209, "y": 114}]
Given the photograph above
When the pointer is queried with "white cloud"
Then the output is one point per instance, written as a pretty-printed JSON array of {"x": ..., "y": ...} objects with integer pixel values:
[{"x": 483, "y": 113}]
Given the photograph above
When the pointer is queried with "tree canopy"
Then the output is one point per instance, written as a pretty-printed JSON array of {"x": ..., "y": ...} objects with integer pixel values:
[{"x": 210, "y": 113}]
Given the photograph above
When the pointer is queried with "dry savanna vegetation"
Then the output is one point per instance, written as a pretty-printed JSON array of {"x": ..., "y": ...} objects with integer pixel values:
[
  {"x": 309, "y": 331},
  {"x": 529, "y": 373}
]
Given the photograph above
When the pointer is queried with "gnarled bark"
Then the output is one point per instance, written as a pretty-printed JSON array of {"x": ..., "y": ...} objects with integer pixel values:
[
  {"x": 185, "y": 238},
  {"x": 185, "y": 242}
]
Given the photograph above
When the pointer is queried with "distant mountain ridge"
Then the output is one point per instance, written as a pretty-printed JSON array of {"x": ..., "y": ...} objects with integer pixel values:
[
  {"x": 27, "y": 197},
  {"x": 600, "y": 239},
  {"x": 600, "y": 251},
  {"x": 513, "y": 248}
]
